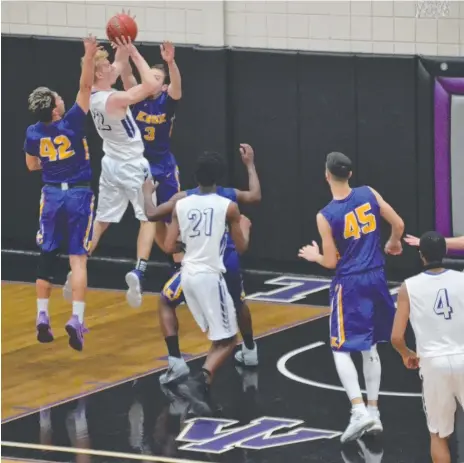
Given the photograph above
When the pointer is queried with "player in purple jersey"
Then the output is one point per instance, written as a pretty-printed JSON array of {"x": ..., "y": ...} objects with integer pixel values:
[
  {"x": 57, "y": 144},
  {"x": 172, "y": 294},
  {"x": 362, "y": 307},
  {"x": 155, "y": 118}
]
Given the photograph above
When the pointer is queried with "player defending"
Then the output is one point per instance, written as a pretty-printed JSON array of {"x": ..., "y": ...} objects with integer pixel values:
[
  {"x": 201, "y": 219},
  {"x": 57, "y": 145},
  {"x": 155, "y": 118},
  {"x": 124, "y": 168},
  {"x": 362, "y": 307},
  {"x": 172, "y": 294},
  {"x": 434, "y": 302}
]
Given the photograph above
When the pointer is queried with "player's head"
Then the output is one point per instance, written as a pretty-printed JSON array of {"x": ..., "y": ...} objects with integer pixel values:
[
  {"x": 46, "y": 105},
  {"x": 432, "y": 248},
  {"x": 161, "y": 77},
  {"x": 338, "y": 167},
  {"x": 105, "y": 72},
  {"x": 210, "y": 169}
]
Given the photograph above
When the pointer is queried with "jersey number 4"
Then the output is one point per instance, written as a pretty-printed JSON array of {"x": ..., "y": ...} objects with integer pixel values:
[
  {"x": 442, "y": 306},
  {"x": 59, "y": 148},
  {"x": 202, "y": 221},
  {"x": 359, "y": 222}
]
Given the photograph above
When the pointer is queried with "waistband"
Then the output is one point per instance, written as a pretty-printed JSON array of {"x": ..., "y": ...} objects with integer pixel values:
[
  {"x": 359, "y": 272},
  {"x": 68, "y": 186}
]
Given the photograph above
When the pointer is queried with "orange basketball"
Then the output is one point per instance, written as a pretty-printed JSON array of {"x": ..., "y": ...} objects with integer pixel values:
[{"x": 121, "y": 25}]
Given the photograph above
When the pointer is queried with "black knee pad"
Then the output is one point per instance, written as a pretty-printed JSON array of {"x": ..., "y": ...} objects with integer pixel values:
[{"x": 47, "y": 265}]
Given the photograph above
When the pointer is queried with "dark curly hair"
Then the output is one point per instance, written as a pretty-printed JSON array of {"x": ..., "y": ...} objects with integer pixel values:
[{"x": 210, "y": 168}]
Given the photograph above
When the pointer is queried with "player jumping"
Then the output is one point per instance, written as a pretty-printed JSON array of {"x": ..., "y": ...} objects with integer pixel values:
[
  {"x": 201, "y": 219},
  {"x": 124, "y": 169},
  {"x": 172, "y": 294},
  {"x": 155, "y": 118},
  {"x": 57, "y": 144},
  {"x": 362, "y": 307},
  {"x": 434, "y": 302}
]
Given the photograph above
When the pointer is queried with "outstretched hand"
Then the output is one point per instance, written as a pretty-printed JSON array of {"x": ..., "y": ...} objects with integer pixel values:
[
  {"x": 91, "y": 45},
  {"x": 167, "y": 51},
  {"x": 247, "y": 153},
  {"x": 310, "y": 252},
  {"x": 412, "y": 240}
]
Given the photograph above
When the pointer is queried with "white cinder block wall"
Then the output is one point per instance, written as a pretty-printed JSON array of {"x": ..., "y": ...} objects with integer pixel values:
[{"x": 375, "y": 26}]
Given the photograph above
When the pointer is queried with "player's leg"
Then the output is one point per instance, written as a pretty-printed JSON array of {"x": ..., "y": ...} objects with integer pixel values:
[
  {"x": 112, "y": 201},
  {"x": 48, "y": 239},
  {"x": 80, "y": 208},
  {"x": 171, "y": 296},
  {"x": 248, "y": 354},
  {"x": 213, "y": 309},
  {"x": 439, "y": 404},
  {"x": 384, "y": 314},
  {"x": 351, "y": 330},
  {"x": 168, "y": 186},
  {"x": 132, "y": 176}
]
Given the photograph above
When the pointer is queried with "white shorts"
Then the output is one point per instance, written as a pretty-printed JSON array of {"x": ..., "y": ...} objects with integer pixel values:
[
  {"x": 210, "y": 303},
  {"x": 442, "y": 386},
  {"x": 121, "y": 182}
]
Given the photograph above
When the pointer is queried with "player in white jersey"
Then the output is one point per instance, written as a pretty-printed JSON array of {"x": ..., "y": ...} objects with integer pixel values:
[
  {"x": 124, "y": 168},
  {"x": 434, "y": 302},
  {"x": 201, "y": 220},
  {"x": 455, "y": 243}
]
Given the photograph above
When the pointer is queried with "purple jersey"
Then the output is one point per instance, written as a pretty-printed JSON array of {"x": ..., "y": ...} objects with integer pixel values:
[
  {"x": 61, "y": 147},
  {"x": 155, "y": 118},
  {"x": 355, "y": 224}
]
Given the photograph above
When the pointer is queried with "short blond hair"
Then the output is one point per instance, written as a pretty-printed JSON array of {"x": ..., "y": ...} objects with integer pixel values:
[{"x": 101, "y": 55}]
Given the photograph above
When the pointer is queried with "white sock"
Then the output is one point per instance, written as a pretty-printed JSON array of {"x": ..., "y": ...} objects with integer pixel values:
[
  {"x": 348, "y": 374},
  {"x": 372, "y": 372},
  {"x": 42, "y": 306},
  {"x": 78, "y": 309}
]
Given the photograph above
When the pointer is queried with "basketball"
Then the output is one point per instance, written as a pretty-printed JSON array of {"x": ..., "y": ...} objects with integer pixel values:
[{"x": 121, "y": 25}]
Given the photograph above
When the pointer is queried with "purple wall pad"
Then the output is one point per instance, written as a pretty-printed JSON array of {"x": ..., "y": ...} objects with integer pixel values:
[{"x": 445, "y": 87}]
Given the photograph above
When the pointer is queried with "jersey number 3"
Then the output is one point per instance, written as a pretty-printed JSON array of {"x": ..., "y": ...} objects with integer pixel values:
[
  {"x": 360, "y": 221},
  {"x": 201, "y": 221},
  {"x": 55, "y": 150},
  {"x": 442, "y": 306}
]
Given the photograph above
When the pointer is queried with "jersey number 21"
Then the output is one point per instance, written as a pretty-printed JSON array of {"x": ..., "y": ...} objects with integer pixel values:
[{"x": 202, "y": 222}]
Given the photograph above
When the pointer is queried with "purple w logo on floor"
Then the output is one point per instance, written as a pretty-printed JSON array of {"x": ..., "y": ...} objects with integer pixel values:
[{"x": 211, "y": 435}]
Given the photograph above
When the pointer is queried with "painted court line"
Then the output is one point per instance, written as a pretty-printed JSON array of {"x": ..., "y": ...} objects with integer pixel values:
[
  {"x": 282, "y": 367},
  {"x": 99, "y": 453},
  {"x": 31, "y": 411}
]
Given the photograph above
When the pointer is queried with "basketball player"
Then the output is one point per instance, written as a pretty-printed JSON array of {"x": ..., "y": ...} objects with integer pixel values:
[
  {"x": 434, "y": 302},
  {"x": 172, "y": 294},
  {"x": 124, "y": 168},
  {"x": 362, "y": 307},
  {"x": 201, "y": 220},
  {"x": 57, "y": 145},
  {"x": 452, "y": 244},
  {"x": 155, "y": 118}
]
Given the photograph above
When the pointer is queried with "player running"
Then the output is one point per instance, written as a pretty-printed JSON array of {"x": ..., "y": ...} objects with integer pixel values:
[
  {"x": 172, "y": 294},
  {"x": 362, "y": 307},
  {"x": 57, "y": 144}
]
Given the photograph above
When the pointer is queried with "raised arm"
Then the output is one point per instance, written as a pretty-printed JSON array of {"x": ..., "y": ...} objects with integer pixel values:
[
  {"x": 311, "y": 253},
  {"x": 239, "y": 227},
  {"x": 87, "y": 73},
  {"x": 393, "y": 245},
  {"x": 127, "y": 77},
  {"x": 119, "y": 101},
  {"x": 253, "y": 195},
  {"x": 175, "y": 87}
]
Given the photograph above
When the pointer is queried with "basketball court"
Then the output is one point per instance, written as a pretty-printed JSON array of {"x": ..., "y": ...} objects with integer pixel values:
[{"x": 106, "y": 404}]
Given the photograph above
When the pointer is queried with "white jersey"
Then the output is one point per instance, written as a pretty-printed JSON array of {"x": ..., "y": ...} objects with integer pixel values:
[
  {"x": 121, "y": 138},
  {"x": 437, "y": 312},
  {"x": 202, "y": 223}
]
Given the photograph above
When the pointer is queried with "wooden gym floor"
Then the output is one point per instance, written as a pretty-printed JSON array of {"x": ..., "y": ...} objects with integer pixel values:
[{"x": 123, "y": 343}]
